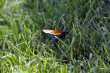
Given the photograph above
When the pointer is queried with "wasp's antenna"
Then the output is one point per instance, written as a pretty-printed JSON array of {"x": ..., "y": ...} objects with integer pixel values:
[{"x": 63, "y": 23}]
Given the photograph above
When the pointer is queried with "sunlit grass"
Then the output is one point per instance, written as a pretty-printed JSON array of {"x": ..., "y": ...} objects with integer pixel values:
[{"x": 24, "y": 48}]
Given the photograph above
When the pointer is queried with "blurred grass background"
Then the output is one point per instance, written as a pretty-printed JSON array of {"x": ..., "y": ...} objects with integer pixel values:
[{"x": 24, "y": 48}]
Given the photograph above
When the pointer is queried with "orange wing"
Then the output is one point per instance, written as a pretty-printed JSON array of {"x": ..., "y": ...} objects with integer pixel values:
[{"x": 53, "y": 32}]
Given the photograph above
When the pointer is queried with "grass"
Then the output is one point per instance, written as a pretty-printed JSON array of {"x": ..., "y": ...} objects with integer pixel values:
[{"x": 24, "y": 48}]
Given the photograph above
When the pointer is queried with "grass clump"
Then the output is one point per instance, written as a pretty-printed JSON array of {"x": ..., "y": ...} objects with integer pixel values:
[{"x": 24, "y": 48}]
